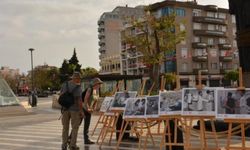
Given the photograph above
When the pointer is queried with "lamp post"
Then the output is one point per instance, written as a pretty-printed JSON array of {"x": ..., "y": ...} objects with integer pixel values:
[{"x": 33, "y": 100}]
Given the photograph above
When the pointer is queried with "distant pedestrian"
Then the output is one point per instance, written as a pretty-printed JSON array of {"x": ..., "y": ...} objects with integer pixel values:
[
  {"x": 74, "y": 114},
  {"x": 87, "y": 109}
]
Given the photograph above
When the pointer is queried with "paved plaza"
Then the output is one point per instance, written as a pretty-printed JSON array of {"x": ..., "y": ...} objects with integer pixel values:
[{"x": 41, "y": 130}]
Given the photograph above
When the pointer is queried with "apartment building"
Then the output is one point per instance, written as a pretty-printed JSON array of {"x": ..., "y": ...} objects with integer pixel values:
[
  {"x": 209, "y": 44},
  {"x": 110, "y": 25}
]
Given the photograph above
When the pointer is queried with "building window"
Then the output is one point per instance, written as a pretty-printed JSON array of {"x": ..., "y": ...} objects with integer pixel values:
[
  {"x": 212, "y": 14},
  {"x": 180, "y": 12},
  {"x": 234, "y": 31},
  {"x": 235, "y": 66},
  {"x": 213, "y": 52},
  {"x": 167, "y": 11},
  {"x": 197, "y": 26},
  {"x": 223, "y": 28},
  {"x": 211, "y": 27},
  {"x": 184, "y": 52},
  {"x": 184, "y": 67},
  {"x": 200, "y": 52},
  {"x": 197, "y": 39},
  {"x": 222, "y": 40},
  {"x": 214, "y": 65},
  {"x": 196, "y": 12},
  {"x": 222, "y": 15},
  {"x": 234, "y": 43},
  {"x": 233, "y": 19},
  {"x": 210, "y": 41}
]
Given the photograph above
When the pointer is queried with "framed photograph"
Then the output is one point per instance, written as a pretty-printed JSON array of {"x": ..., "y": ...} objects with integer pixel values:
[
  {"x": 135, "y": 108},
  {"x": 233, "y": 104},
  {"x": 170, "y": 103},
  {"x": 152, "y": 106},
  {"x": 198, "y": 102},
  {"x": 120, "y": 99},
  {"x": 106, "y": 104}
]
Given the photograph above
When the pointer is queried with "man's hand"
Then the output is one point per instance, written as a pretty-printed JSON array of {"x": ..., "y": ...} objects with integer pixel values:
[
  {"x": 90, "y": 110},
  {"x": 82, "y": 114}
]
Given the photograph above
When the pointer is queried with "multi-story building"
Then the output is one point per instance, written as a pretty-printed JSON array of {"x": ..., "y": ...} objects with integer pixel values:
[
  {"x": 7, "y": 71},
  {"x": 110, "y": 25},
  {"x": 209, "y": 44}
]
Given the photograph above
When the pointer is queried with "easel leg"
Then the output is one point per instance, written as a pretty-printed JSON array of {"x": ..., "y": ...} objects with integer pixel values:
[
  {"x": 98, "y": 122},
  {"x": 121, "y": 135},
  {"x": 214, "y": 132},
  {"x": 107, "y": 130},
  {"x": 243, "y": 138},
  {"x": 103, "y": 128},
  {"x": 163, "y": 136},
  {"x": 113, "y": 128},
  {"x": 229, "y": 135}
]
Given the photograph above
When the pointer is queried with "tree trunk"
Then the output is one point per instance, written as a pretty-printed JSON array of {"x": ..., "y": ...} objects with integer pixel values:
[{"x": 154, "y": 76}]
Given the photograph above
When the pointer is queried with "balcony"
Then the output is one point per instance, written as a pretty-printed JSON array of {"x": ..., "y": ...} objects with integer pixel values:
[
  {"x": 200, "y": 58},
  {"x": 101, "y": 36},
  {"x": 224, "y": 46},
  {"x": 209, "y": 33},
  {"x": 226, "y": 58},
  {"x": 204, "y": 70},
  {"x": 211, "y": 20},
  {"x": 199, "y": 45},
  {"x": 102, "y": 49},
  {"x": 100, "y": 22},
  {"x": 211, "y": 8},
  {"x": 101, "y": 29}
]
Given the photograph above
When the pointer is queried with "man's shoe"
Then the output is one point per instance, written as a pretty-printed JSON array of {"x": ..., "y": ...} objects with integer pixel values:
[
  {"x": 89, "y": 142},
  {"x": 64, "y": 147},
  {"x": 74, "y": 148}
]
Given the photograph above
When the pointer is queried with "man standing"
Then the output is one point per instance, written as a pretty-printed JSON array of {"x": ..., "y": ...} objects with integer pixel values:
[
  {"x": 87, "y": 109},
  {"x": 74, "y": 113}
]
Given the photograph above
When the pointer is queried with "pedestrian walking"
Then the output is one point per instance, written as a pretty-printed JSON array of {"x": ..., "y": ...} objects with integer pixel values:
[
  {"x": 87, "y": 107},
  {"x": 73, "y": 114}
]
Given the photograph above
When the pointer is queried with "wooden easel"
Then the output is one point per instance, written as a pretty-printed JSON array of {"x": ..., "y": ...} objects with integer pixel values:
[
  {"x": 188, "y": 120},
  {"x": 142, "y": 87},
  {"x": 241, "y": 121}
]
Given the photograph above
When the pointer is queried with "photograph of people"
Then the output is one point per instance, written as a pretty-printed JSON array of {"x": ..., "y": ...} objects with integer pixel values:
[
  {"x": 233, "y": 103},
  {"x": 105, "y": 104},
  {"x": 152, "y": 106},
  {"x": 135, "y": 108},
  {"x": 120, "y": 99},
  {"x": 170, "y": 102},
  {"x": 198, "y": 102}
]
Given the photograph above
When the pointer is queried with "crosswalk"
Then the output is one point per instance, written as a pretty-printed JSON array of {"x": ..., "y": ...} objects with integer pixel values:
[{"x": 47, "y": 136}]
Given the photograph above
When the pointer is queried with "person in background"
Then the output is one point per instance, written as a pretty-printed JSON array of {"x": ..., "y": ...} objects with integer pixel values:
[
  {"x": 73, "y": 114},
  {"x": 87, "y": 109}
]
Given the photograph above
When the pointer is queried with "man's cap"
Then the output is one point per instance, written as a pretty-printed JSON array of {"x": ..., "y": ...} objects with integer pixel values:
[
  {"x": 76, "y": 75},
  {"x": 97, "y": 81}
]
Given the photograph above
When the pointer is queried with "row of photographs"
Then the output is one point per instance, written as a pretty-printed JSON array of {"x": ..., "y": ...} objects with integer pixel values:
[{"x": 220, "y": 102}]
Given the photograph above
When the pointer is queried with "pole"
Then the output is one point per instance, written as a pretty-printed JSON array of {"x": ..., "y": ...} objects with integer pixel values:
[{"x": 33, "y": 96}]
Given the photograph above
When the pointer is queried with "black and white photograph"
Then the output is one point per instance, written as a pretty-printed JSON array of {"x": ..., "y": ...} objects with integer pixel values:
[
  {"x": 135, "y": 108},
  {"x": 233, "y": 103},
  {"x": 198, "y": 102},
  {"x": 170, "y": 103},
  {"x": 120, "y": 99},
  {"x": 152, "y": 106},
  {"x": 106, "y": 104}
]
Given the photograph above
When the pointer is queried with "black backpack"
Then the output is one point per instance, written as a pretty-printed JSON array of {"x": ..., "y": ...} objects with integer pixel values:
[{"x": 67, "y": 99}]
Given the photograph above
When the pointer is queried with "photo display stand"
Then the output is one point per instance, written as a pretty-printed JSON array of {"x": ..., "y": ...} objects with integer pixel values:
[
  {"x": 166, "y": 119},
  {"x": 188, "y": 124},
  {"x": 242, "y": 122}
]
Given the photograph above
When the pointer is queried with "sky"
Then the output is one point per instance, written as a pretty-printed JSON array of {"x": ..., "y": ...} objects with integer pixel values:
[{"x": 54, "y": 28}]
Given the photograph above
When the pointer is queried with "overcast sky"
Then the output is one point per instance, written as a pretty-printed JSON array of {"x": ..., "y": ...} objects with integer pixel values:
[{"x": 54, "y": 28}]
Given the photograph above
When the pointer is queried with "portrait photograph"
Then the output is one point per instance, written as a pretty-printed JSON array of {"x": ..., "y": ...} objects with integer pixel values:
[
  {"x": 152, "y": 106},
  {"x": 170, "y": 103},
  {"x": 106, "y": 104},
  {"x": 198, "y": 102},
  {"x": 135, "y": 108},
  {"x": 232, "y": 103},
  {"x": 120, "y": 99}
]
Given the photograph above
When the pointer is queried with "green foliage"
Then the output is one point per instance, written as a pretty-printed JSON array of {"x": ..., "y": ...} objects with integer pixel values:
[
  {"x": 89, "y": 72},
  {"x": 232, "y": 75},
  {"x": 170, "y": 78}
]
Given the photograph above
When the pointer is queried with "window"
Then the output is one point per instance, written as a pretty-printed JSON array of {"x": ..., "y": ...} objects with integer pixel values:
[
  {"x": 197, "y": 26},
  {"x": 197, "y": 39},
  {"x": 184, "y": 52},
  {"x": 211, "y": 14},
  {"x": 222, "y": 40},
  {"x": 200, "y": 52},
  {"x": 235, "y": 66},
  {"x": 214, "y": 65},
  {"x": 196, "y": 12},
  {"x": 234, "y": 43},
  {"x": 233, "y": 19},
  {"x": 222, "y": 15},
  {"x": 213, "y": 52},
  {"x": 184, "y": 67},
  {"x": 210, "y": 41},
  {"x": 234, "y": 31},
  {"x": 211, "y": 27},
  {"x": 180, "y": 12},
  {"x": 167, "y": 11},
  {"x": 223, "y": 28}
]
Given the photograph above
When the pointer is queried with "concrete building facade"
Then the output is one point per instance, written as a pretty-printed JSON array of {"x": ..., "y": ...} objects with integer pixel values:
[
  {"x": 209, "y": 45},
  {"x": 110, "y": 25}
]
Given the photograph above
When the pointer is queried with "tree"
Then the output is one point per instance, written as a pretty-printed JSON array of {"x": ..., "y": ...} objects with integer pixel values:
[
  {"x": 170, "y": 78},
  {"x": 159, "y": 36},
  {"x": 74, "y": 61},
  {"x": 89, "y": 72},
  {"x": 232, "y": 76}
]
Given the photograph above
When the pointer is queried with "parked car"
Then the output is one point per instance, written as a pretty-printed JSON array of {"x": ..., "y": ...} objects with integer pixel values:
[{"x": 42, "y": 94}]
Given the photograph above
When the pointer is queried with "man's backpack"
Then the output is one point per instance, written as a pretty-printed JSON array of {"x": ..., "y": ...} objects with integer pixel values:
[{"x": 66, "y": 99}]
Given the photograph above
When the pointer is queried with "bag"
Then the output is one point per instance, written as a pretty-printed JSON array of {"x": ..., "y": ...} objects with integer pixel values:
[
  {"x": 85, "y": 91},
  {"x": 67, "y": 99}
]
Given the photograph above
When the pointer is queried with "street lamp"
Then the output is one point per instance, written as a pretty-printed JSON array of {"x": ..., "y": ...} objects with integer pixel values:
[{"x": 32, "y": 100}]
